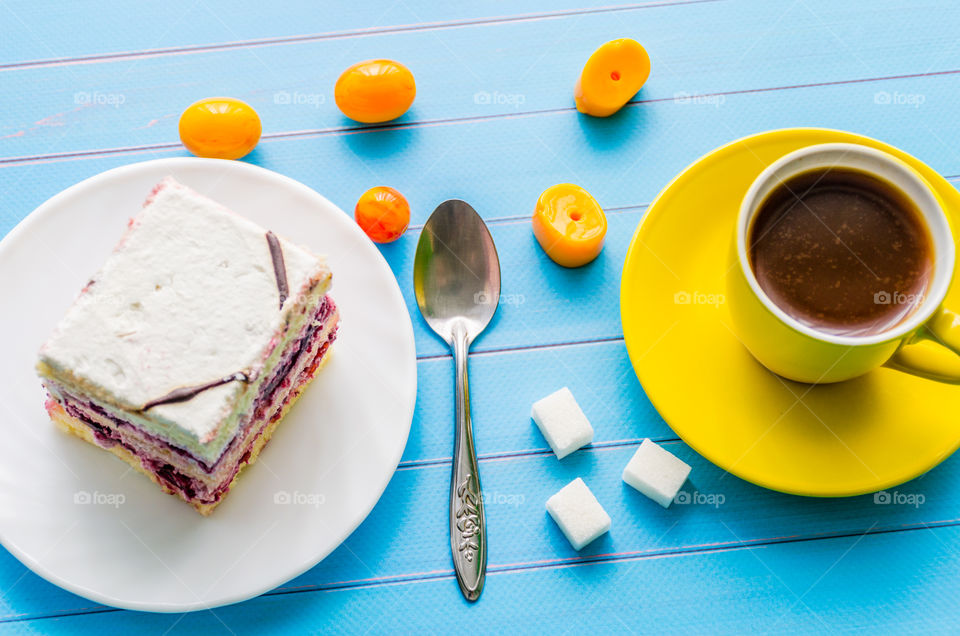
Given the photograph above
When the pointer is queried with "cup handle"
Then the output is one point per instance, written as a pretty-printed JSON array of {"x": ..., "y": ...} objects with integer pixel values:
[{"x": 944, "y": 329}]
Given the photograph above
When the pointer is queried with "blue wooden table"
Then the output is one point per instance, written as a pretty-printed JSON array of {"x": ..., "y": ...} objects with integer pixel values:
[{"x": 89, "y": 86}]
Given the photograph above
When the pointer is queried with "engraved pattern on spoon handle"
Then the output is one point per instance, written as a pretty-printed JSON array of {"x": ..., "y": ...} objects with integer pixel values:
[{"x": 468, "y": 532}]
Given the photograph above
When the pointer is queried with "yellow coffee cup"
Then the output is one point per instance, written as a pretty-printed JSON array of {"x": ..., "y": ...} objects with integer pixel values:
[{"x": 801, "y": 352}]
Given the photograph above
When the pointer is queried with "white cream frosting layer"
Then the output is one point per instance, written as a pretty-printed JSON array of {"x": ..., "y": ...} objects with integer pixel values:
[{"x": 188, "y": 296}]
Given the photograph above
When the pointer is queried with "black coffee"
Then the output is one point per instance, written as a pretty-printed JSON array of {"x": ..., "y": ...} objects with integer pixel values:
[{"x": 841, "y": 251}]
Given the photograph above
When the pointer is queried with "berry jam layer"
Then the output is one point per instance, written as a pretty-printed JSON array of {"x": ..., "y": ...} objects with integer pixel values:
[{"x": 175, "y": 468}]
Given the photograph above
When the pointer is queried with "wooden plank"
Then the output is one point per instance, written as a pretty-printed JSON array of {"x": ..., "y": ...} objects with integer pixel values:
[
  {"x": 879, "y": 582},
  {"x": 405, "y": 538},
  {"x": 480, "y": 71},
  {"x": 125, "y": 28},
  {"x": 501, "y": 165}
]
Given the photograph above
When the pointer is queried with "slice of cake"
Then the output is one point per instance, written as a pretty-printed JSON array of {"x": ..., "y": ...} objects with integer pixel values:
[{"x": 193, "y": 340}]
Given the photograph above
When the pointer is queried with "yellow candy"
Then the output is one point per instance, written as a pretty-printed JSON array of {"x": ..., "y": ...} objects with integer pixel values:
[
  {"x": 220, "y": 127},
  {"x": 569, "y": 225},
  {"x": 375, "y": 91},
  {"x": 612, "y": 75}
]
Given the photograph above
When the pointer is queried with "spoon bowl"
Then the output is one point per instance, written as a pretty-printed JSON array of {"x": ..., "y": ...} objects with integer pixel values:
[{"x": 456, "y": 271}]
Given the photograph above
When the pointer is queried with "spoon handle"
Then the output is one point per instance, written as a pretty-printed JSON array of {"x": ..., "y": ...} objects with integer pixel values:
[{"x": 468, "y": 529}]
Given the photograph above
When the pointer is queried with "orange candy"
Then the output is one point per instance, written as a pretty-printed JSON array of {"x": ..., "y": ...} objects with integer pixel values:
[
  {"x": 375, "y": 91},
  {"x": 569, "y": 225},
  {"x": 612, "y": 75},
  {"x": 220, "y": 127},
  {"x": 383, "y": 214}
]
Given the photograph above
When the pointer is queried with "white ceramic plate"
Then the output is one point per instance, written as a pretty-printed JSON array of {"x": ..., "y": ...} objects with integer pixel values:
[{"x": 82, "y": 519}]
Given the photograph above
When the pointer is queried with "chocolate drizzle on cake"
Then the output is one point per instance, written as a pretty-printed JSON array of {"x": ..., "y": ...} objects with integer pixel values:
[
  {"x": 190, "y": 392},
  {"x": 279, "y": 267}
]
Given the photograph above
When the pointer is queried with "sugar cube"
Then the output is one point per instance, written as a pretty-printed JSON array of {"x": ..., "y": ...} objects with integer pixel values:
[
  {"x": 562, "y": 423},
  {"x": 578, "y": 513},
  {"x": 656, "y": 472}
]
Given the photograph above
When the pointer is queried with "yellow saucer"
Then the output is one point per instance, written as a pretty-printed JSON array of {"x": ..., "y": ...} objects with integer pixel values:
[{"x": 854, "y": 437}]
